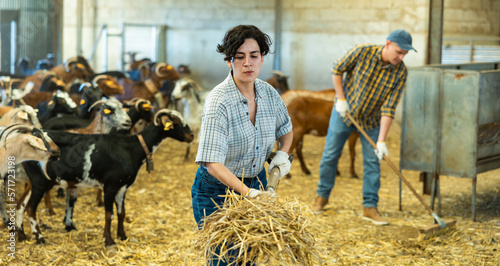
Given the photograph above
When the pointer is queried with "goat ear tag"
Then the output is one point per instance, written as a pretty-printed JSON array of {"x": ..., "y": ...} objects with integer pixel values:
[
  {"x": 169, "y": 67},
  {"x": 82, "y": 101},
  {"x": 107, "y": 111},
  {"x": 109, "y": 82},
  {"x": 168, "y": 126},
  {"x": 79, "y": 65}
]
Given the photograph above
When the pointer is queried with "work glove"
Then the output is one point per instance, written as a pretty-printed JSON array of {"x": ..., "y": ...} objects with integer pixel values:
[
  {"x": 255, "y": 193},
  {"x": 342, "y": 107},
  {"x": 281, "y": 160},
  {"x": 381, "y": 150}
]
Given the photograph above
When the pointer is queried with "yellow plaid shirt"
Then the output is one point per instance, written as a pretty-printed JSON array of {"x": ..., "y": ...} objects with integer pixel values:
[{"x": 372, "y": 89}]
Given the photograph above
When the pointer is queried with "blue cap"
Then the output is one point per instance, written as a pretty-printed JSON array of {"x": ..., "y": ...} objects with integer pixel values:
[{"x": 402, "y": 38}]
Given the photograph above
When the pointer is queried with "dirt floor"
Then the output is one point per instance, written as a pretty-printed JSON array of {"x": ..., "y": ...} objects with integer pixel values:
[{"x": 161, "y": 227}]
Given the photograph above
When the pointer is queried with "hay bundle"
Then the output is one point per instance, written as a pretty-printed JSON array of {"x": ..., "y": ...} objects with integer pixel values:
[{"x": 259, "y": 230}]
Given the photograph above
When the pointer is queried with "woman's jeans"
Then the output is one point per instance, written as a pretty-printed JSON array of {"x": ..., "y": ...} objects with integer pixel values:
[
  {"x": 338, "y": 133},
  {"x": 206, "y": 190}
]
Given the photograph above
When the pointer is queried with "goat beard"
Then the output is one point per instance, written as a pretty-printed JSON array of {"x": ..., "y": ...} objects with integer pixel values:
[{"x": 44, "y": 168}]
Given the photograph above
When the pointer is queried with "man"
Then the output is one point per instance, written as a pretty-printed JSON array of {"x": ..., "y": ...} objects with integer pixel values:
[{"x": 375, "y": 76}]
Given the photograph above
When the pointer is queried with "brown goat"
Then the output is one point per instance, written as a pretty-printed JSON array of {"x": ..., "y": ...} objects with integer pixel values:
[
  {"x": 149, "y": 89},
  {"x": 279, "y": 82},
  {"x": 74, "y": 68},
  {"x": 310, "y": 113}
]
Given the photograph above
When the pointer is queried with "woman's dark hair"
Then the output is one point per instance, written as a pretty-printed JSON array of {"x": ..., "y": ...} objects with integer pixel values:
[{"x": 236, "y": 36}]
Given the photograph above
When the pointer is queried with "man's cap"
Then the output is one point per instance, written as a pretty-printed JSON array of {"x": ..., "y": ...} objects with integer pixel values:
[{"x": 402, "y": 38}]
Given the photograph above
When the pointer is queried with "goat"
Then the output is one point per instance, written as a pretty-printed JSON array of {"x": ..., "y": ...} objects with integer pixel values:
[
  {"x": 188, "y": 98},
  {"x": 73, "y": 69},
  {"x": 23, "y": 114},
  {"x": 60, "y": 103},
  {"x": 108, "y": 161},
  {"x": 20, "y": 143},
  {"x": 6, "y": 91},
  {"x": 279, "y": 81},
  {"x": 149, "y": 89},
  {"x": 111, "y": 115},
  {"x": 310, "y": 113}
]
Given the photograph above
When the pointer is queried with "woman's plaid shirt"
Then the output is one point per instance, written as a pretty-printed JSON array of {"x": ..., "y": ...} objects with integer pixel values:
[
  {"x": 372, "y": 89},
  {"x": 228, "y": 136}
]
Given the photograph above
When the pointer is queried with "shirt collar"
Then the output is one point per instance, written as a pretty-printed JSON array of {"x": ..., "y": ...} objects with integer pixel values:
[
  {"x": 379, "y": 57},
  {"x": 236, "y": 94}
]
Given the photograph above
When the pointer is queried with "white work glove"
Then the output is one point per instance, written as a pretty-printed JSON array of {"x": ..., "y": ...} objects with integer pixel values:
[
  {"x": 280, "y": 160},
  {"x": 381, "y": 150},
  {"x": 255, "y": 193},
  {"x": 342, "y": 107}
]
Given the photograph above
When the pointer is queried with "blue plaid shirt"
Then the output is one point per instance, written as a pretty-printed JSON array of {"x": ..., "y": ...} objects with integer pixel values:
[
  {"x": 228, "y": 136},
  {"x": 371, "y": 88}
]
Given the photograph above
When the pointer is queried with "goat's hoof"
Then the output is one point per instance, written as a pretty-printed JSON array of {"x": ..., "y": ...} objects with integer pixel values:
[
  {"x": 337, "y": 173},
  {"x": 44, "y": 226},
  {"x": 40, "y": 240},
  {"x": 70, "y": 228},
  {"x": 21, "y": 236},
  {"x": 122, "y": 237},
  {"x": 100, "y": 203},
  {"x": 110, "y": 242},
  {"x": 60, "y": 193}
]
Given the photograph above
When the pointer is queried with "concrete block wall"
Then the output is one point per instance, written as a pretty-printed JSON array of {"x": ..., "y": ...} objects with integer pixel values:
[{"x": 314, "y": 32}]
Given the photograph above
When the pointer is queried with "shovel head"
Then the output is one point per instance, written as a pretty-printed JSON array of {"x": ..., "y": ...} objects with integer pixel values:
[{"x": 274, "y": 178}]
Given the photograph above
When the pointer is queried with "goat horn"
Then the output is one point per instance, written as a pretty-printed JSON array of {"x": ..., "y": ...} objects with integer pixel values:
[
  {"x": 96, "y": 103},
  {"x": 97, "y": 78},
  {"x": 279, "y": 73},
  {"x": 84, "y": 85},
  {"x": 133, "y": 100},
  {"x": 157, "y": 69},
  {"x": 11, "y": 128},
  {"x": 162, "y": 111},
  {"x": 70, "y": 61},
  {"x": 139, "y": 101},
  {"x": 35, "y": 132}
]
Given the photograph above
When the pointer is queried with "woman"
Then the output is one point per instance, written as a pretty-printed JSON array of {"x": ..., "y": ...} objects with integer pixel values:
[{"x": 242, "y": 118}]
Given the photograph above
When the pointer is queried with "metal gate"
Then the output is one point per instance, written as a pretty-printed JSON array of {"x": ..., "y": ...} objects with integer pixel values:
[{"x": 29, "y": 28}]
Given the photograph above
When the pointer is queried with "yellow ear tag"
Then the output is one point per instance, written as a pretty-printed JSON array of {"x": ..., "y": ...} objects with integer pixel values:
[
  {"x": 109, "y": 82},
  {"x": 107, "y": 111},
  {"x": 50, "y": 102},
  {"x": 146, "y": 107},
  {"x": 79, "y": 65},
  {"x": 82, "y": 101},
  {"x": 169, "y": 67},
  {"x": 168, "y": 125}
]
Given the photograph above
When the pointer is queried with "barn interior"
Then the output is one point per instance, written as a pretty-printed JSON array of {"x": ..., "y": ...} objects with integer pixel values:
[{"x": 445, "y": 138}]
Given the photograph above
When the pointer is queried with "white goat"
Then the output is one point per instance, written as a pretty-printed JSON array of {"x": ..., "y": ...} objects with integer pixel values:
[
  {"x": 23, "y": 114},
  {"x": 189, "y": 99}
]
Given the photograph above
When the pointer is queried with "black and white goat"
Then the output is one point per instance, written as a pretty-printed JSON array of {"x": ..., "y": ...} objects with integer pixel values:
[
  {"x": 20, "y": 143},
  {"x": 60, "y": 103},
  {"x": 109, "y": 161}
]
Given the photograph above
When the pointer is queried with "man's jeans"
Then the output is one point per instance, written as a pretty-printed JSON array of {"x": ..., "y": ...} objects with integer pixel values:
[{"x": 338, "y": 133}]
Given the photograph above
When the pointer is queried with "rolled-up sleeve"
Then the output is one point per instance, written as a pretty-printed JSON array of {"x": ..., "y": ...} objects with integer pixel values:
[{"x": 283, "y": 121}]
